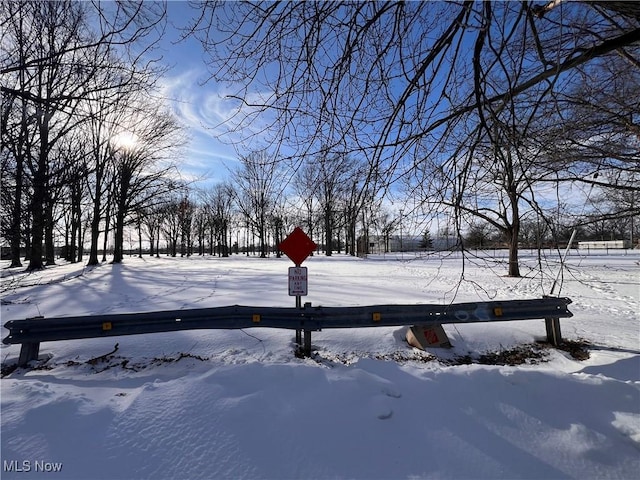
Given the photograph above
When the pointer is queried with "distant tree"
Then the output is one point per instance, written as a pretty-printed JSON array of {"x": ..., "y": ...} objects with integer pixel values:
[
  {"x": 200, "y": 225},
  {"x": 332, "y": 173},
  {"x": 386, "y": 224},
  {"x": 186, "y": 212},
  {"x": 305, "y": 183},
  {"x": 357, "y": 196},
  {"x": 426, "y": 242},
  {"x": 152, "y": 218},
  {"x": 73, "y": 177},
  {"x": 278, "y": 225},
  {"x": 257, "y": 183},
  {"x": 170, "y": 226},
  {"x": 219, "y": 202}
]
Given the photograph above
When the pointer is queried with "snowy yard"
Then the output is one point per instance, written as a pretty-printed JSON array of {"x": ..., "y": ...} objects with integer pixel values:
[{"x": 215, "y": 404}]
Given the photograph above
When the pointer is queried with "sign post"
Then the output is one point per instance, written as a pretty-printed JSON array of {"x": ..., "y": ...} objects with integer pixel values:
[{"x": 298, "y": 246}]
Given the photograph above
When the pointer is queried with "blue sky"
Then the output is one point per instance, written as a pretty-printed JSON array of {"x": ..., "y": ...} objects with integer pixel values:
[{"x": 199, "y": 105}]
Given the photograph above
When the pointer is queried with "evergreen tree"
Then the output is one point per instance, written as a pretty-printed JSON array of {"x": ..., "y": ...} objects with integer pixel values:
[{"x": 427, "y": 242}]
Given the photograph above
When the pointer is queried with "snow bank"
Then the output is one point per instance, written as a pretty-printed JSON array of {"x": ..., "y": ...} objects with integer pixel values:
[{"x": 238, "y": 404}]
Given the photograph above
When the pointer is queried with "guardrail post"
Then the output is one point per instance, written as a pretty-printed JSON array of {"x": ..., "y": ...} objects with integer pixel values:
[
  {"x": 298, "y": 330},
  {"x": 554, "y": 335},
  {"x": 28, "y": 352},
  {"x": 306, "y": 351}
]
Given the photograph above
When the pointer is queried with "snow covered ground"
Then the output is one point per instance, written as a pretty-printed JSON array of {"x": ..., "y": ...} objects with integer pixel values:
[{"x": 237, "y": 404}]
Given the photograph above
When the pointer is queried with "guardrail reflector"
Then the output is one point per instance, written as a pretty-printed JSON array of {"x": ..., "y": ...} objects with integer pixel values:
[
  {"x": 497, "y": 311},
  {"x": 376, "y": 316},
  {"x": 256, "y": 318},
  {"x": 106, "y": 326}
]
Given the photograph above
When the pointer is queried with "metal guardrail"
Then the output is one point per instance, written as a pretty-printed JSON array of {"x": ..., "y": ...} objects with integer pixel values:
[{"x": 30, "y": 332}]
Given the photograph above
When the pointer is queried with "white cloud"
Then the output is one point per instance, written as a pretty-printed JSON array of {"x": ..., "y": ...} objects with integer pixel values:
[
  {"x": 212, "y": 122},
  {"x": 214, "y": 110}
]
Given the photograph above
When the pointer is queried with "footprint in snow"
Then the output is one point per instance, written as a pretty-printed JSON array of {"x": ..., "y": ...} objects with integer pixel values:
[
  {"x": 391, "y": 393},
  {"x": 380, "y": 407}
]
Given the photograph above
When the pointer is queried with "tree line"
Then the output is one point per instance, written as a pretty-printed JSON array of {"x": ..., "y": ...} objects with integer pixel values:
[
  {"x": 259, "y": 205},
  {"x": 87, "y": 146},
  {"x": 84, "y": 144},
  {"x": 489, "y": 114}
]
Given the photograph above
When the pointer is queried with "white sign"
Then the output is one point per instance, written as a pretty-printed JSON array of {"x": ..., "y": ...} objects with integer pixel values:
[{"x": 297, "y": 281}]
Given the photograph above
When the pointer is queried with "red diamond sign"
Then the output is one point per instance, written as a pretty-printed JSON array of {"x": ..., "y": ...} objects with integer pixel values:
[{"x": 297, "y": 246}]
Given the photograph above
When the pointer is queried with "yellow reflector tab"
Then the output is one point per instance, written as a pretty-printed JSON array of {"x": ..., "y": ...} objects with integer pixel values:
[
  {"x": 497, "y": 311},
  {"x": 106, "y": 326},
  {"x": 256, "y": 318},
  {"x": 376, "y": 316}
]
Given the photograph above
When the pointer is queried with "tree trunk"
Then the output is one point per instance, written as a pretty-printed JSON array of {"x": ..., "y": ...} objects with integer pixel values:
[
  {"x": 95, "y": 233},
  {"x": 95, "y": 219},
  {"x": 49, "y": 224},
  {"x": 106, "y": 231},
  {"x": 39, "y": 197},
  {"x": 139, "y": 237},
  {"x": 158, "y": 241},
  {"x": 80, "y": 239},
  {"x": 262, "y": 234},
  {"x": 118, "y": 245},
  {"x": 75, "y": 221},
  {"x": 16, "y": 216},
  {"x": 151, "y": 240},
  {"x": 328, "y": 234},
  {"x": 121, "y": 211},
  {"x": 513, "y": 236}
]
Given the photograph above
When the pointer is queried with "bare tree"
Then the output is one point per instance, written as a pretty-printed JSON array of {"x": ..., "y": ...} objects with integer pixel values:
[
  {"x": 72, "y": 180},
  {"x": 99, "y": 164},
  {"x": 595, "y": 139},
  {"x": 16, "y": 131},
  {"x": 44, "y": 30},
  {"x": 333, "y": 171},
  {"x": 218, "y": 204},
  {"x": 397, "y": 84},
  {"x": 304, "y": 186},
  {"x": 358, "y": 195},
  {"x": 258, "y": 181},
  {"x": 384, "y": 224},
  {"x": 152, "y": 218},
  {"x": 186, "y": 212},
  {"x": 171, "y": 225},
  {"x": 45, "y": 83},
  {"x": 383, "y": 77},
  {"x": 148, "y": 135}
]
